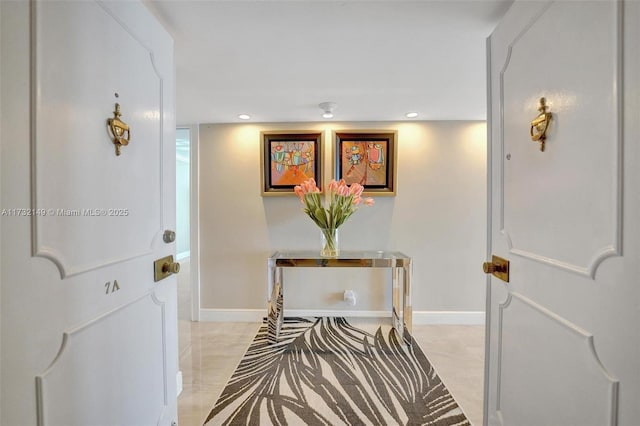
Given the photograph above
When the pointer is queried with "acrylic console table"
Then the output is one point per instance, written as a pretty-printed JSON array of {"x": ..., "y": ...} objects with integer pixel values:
[{"x": 399, "y": 263}]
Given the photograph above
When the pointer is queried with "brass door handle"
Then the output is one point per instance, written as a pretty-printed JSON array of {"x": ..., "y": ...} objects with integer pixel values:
[
  {"x": 164, "y": 267},
  {"x": 490, "y": 268},
  {"x": 171, "y": 267},
  {"x": 498, "y": 267}
]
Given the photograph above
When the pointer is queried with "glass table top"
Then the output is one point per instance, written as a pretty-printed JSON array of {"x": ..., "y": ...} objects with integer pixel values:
[{"x": 376, "y": 259}]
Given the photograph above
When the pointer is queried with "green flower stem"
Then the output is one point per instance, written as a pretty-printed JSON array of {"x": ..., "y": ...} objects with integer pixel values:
[{"x": 330, "y": 248}]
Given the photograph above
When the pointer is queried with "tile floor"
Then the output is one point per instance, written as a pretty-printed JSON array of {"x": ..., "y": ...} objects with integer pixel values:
[{"x": 215, "y": 349}]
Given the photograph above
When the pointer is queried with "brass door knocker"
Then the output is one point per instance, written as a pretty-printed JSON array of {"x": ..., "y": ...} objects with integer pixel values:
[
  {"x": 540, "y": 124},
  {"x": 118, "y": 129}
]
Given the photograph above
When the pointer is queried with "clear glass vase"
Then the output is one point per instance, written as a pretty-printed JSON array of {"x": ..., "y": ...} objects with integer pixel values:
[{"x": 329, "y": 242}]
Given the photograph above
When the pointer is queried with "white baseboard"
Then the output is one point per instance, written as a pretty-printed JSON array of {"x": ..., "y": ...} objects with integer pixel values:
[
  {"x": 419, "y": 317},
  {"x": 179, "y": 382}
]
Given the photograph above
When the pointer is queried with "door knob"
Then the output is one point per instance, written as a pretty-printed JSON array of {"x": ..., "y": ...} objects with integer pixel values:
[
  {"x": 164, "y": 267},
  {"x": 498, "y": 267},
  {"x": 490, "y": 268},
  {"x": 171, "y": 267},
  {"x": 169, "y": 236}
]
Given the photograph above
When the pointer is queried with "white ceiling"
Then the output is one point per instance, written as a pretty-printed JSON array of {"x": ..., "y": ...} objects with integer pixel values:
[{"x": 277, "y": 60}]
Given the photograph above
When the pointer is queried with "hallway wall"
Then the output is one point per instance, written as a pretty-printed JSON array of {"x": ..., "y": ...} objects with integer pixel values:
[{"x": 438, "y": 217}]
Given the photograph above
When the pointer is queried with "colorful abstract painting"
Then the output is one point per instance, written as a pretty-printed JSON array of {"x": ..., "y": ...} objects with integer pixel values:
[
  {"x": 368, "y": 159},
  {"x": 364, "y": 162},
  {"x": 291, "y": 162},
  {"x": 288, "y": 160}
]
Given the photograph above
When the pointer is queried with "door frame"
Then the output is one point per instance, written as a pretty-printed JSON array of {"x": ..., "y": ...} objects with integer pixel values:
[
  {"x": 1, "y": 145},
  {"x": 194, "y": 225},
  {"x": 194, "y": 220},
  {"x": 487, "y": 309}
]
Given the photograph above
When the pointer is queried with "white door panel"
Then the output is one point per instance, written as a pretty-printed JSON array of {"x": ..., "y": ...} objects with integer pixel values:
[
  {"x": 575, "y": 66},
  {"x": 560, "y": 345},
  {"x": 70, "y": 387},
  {"x": 88, "y": 338},
  {"x": 540, "y": 350},
  {"x": 98, "y": 203}
]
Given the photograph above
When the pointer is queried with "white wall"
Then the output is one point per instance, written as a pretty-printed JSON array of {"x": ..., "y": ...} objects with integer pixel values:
[{"x": 438, "y": 217}]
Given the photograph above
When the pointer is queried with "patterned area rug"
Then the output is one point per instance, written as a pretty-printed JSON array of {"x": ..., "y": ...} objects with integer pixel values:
[{"x": 325, "y": 371}]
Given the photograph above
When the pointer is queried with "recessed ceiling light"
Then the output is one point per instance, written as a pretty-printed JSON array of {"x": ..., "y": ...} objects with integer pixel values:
[
  {"x": 411, "y": 114},
  {"x": 244, "y": 116}
]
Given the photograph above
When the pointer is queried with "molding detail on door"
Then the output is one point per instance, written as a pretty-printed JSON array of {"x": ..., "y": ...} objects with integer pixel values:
[
  {"x": 91, "y": 365},
  {"x": 527, "y": 218},
  {"x": 105, "y": 200},
  {"x": 575, "y": 359}
]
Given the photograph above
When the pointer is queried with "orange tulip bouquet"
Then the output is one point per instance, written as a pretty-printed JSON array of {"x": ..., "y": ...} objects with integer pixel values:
[{"x": 344, "y": 200}]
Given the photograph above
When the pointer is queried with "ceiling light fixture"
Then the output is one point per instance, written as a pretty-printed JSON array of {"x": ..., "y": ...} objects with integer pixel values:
[
  {"x": 327, "y": 108},
  {"x": 411, "y": 114},
  {"x": 244, "y": 116}
]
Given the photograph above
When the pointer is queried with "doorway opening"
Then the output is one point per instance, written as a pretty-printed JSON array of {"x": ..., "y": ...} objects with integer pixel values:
[{"x": 183, "y": 239}]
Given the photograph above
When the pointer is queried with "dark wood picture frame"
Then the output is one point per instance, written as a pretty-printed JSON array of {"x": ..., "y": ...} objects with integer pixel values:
[
  {"x": 288, "y": 158},
  {"x": 367, "y": 157}
]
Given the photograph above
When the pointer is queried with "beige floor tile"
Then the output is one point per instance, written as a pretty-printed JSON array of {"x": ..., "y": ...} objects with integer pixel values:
[
  {"x": 195, "y": 403},
  {"x": 457, "y": 354}
]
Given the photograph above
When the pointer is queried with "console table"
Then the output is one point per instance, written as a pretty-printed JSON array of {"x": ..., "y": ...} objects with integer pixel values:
[{"x": 399, "y": 263}]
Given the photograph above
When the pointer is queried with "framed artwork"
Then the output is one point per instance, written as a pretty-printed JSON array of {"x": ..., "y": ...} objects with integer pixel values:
[
  {"x": 288, "y": 158},
  {"x": 367, "y": 157}
]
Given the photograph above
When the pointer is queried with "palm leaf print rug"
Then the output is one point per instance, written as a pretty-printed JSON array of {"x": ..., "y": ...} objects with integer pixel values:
[{"x": 325, "y": 371}]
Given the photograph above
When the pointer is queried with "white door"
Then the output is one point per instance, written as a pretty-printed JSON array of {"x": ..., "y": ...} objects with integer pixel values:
[
  {"x": 563, "y": 340},
  {"x": 88, "y": 337}
]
